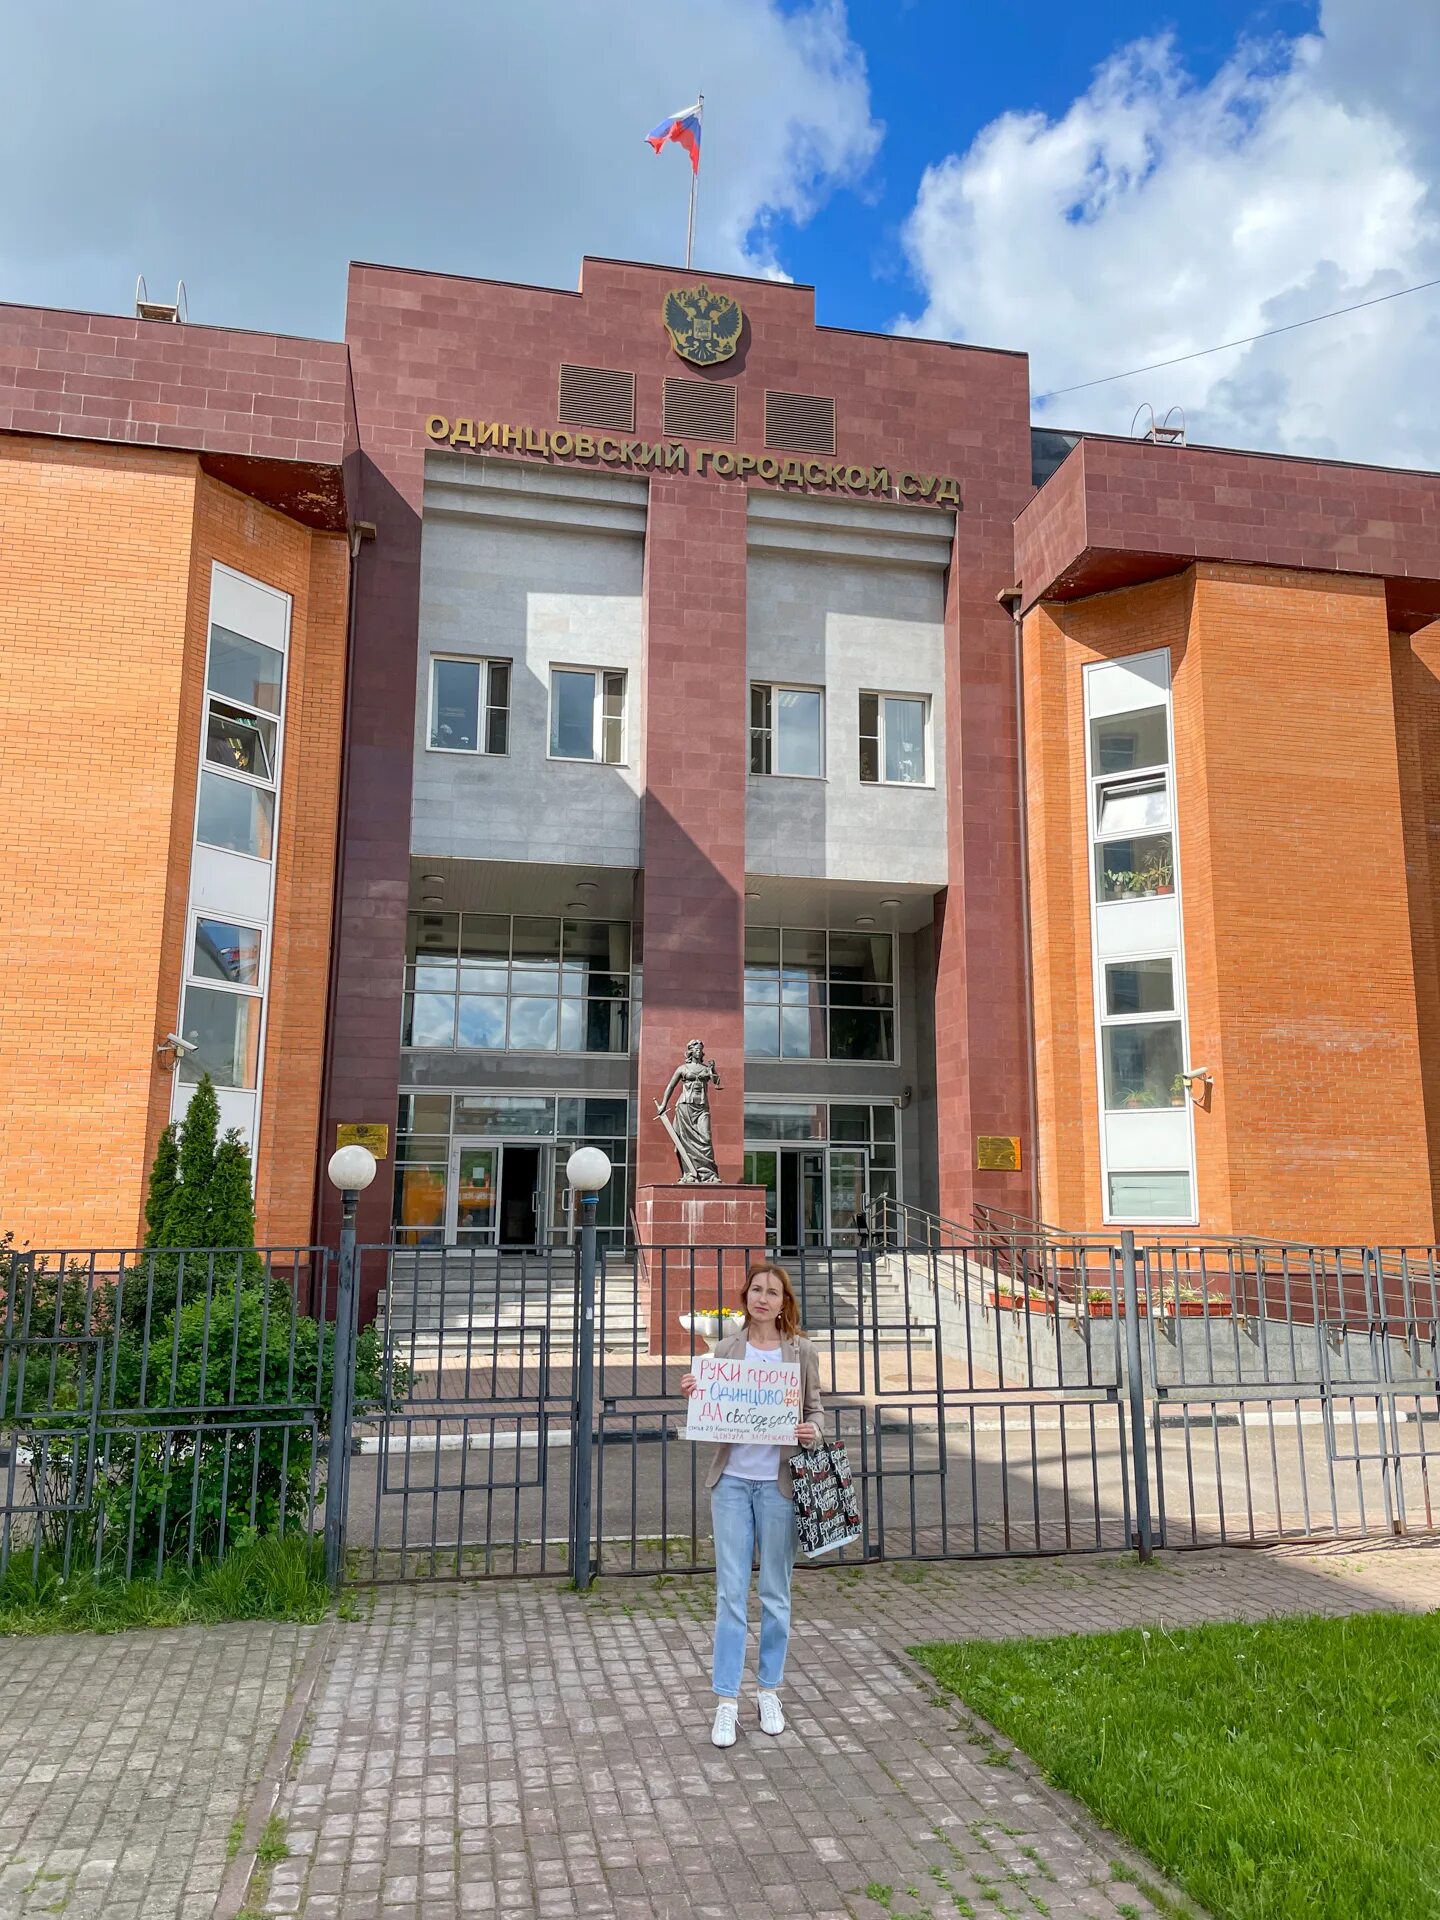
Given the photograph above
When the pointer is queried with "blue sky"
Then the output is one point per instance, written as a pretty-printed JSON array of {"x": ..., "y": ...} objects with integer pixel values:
[
  {"x": 938, "y": 73},
  {"x": 1101, "y": 186}
]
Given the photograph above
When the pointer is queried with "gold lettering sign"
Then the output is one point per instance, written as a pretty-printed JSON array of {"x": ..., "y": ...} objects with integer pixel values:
[
  {"x": 364, "y": 1133},
  {"x": 997, "y": 1152},
  {"x": 673, "y": 456},
  {"x": 704, "y": 327}
]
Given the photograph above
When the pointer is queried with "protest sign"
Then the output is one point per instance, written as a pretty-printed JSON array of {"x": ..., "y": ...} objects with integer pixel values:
[{"x": 745, "y": 1402}]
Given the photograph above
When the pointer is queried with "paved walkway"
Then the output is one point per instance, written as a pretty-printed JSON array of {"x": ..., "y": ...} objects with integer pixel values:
[{"x": 515, "y": 1749}]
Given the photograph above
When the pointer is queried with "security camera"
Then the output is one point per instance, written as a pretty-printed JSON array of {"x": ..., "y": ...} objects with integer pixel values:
[{"x": 179, "y": 1046}]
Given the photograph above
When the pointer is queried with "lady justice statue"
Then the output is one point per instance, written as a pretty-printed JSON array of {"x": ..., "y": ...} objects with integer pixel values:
[{"x": 690, "y": 1133}]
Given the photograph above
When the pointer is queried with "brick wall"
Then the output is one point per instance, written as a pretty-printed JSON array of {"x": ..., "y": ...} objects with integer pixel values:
[
  {"x": 1299, "y": 977},
  {"x": 1415, "y": 674},
  {"x": 313, "y": 569},
  {"x": 103, "y": 631},
  {"x": 96, "y": 544}
]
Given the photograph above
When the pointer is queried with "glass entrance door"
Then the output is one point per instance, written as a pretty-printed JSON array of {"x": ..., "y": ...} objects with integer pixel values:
[
  {"x": 500, "y": 1194},
  {"x": 849, "y": 1196},
  {"x": 524, "y": 1215},
  {"x": 474, "y": 1188},
  {"x": 814, "y": 1196}
]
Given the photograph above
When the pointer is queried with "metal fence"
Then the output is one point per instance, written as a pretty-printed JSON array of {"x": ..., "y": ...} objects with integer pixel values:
[
  {"x": 155, "y": 1406},
  {"x": 999, "y": 1389}
]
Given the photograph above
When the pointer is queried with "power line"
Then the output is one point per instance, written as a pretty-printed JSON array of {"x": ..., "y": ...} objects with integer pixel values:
[{"x": 1249, "y": 340}]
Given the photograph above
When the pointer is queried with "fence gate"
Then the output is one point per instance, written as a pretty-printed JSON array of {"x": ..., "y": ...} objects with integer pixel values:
[
  {"x": 464, "y": 1469},
  {"x": 988, "y": 1387}
]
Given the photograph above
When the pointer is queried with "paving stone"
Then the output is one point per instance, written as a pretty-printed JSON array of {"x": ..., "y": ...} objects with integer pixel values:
[
  {"x": 125, "y": 1757},
  {"x": 516, "y": 1750}
]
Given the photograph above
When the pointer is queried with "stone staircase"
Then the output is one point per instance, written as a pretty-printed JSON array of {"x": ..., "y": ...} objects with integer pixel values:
[{"x": 481, "y": 1297}]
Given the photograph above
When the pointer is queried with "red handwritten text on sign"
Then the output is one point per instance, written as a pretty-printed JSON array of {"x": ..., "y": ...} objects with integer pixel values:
[{"x": 749, "y": 1402}]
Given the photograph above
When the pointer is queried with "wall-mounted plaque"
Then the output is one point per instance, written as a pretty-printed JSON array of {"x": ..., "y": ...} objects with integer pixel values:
[
  {"x": 997, "y": 1152},
  {"x": 364, "y": 1133}
]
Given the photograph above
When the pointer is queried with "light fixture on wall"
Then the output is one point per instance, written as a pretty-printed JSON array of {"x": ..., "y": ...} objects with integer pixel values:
[
  {"x": 432, "y": 900},
  {"x": 864, "y": 919},
  {"x": 752, "y": 896},
  {"x": 889, "y": 903},
  {"x": 432, "y": 879},
  {"x": 587, "y": 886},
  {"x": 577, "y": 906}
]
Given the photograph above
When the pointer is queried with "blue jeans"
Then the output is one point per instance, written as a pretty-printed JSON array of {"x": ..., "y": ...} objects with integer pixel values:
[{"x": 739, "y": 1511}]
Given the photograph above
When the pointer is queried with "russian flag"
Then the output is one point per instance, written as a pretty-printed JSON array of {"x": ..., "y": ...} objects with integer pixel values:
[{"x": 684, "y": 129}]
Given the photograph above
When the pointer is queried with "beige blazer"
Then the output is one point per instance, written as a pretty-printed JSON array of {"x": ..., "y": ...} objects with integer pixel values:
[{"x": 812, "y": 1407}]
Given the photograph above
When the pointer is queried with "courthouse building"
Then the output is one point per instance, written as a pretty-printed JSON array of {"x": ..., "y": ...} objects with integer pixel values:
[{"x": 538, "y": 681}]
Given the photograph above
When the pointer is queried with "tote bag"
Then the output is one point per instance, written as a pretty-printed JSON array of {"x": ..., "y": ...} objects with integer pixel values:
[{"x": 827, "y": 1513}]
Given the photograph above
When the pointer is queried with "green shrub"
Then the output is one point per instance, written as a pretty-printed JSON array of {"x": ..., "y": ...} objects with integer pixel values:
[{"x": 249, "y": 1381}]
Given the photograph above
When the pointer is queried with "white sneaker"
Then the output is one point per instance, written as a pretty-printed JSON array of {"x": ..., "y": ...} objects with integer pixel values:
[
  {"x": 722, "y": 1734},
  {"x": 772, "y": 1717}
]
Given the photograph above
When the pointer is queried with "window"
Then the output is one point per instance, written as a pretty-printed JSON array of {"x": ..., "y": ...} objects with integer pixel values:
[
  {"x": 222, "y": 1005},
  {"x": 469, "y": 706},
  {"x": 787, "y": 731},
  {"x": 1139, "y": 986},
  {"x": 812, "y": 995},
  {"x": 236, "y": 818},
  {"x": 1134, "y": 868},
  {"x": 1141, "y": 1040},
  {"x": 892, "y": 739},
  {"x": 223, "y": 951},
  {"x": 587, "y": 715},
  {"x": 1150, "y": 1196},
  {"x": 1142, "y": 1065},
  {"x": 496, "y": 983},
  {"x": 1123, "y": 742},
  {"x": 240, "y": 756}
]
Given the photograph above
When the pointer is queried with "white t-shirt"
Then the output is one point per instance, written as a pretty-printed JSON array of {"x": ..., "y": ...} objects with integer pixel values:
[{"x": 749, "y": 1462}]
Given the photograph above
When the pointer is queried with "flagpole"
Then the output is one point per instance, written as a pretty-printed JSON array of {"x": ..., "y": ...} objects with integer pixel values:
[{"x": 694, "y": 184}]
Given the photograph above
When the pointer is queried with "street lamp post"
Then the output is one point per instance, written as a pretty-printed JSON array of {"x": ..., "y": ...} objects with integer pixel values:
[
  {"x": 351, "y": 1169},
  {"x": 588, "y": 1170}
]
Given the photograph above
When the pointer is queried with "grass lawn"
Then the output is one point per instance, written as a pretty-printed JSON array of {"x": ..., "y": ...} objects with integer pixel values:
[
  {"x": 261, "y": 1580},
  {"x": 1289, "y": 1771}
]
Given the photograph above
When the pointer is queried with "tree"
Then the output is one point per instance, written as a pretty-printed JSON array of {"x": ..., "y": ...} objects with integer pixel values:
[
  {"x": 164, "y": 1179},
  {"x": 231, "y": 1208},
  {"x": 187, "y": 1218}
]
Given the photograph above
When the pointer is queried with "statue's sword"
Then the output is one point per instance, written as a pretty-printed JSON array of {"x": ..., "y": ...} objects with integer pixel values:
[{"x": 685, "y": 1161}]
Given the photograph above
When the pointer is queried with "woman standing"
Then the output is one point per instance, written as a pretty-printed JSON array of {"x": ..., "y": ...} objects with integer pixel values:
[{"x": 751, "y": 1499}]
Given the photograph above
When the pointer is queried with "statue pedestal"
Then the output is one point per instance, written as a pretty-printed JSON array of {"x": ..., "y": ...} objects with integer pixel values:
[{"x": 693, "y": 1245}]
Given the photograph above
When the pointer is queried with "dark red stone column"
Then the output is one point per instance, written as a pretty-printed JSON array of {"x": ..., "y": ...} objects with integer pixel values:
[
  {"x": 693, "y": 831},
  {"x": 692, "y": 938},
  {"x": 981, "y": 1040}
]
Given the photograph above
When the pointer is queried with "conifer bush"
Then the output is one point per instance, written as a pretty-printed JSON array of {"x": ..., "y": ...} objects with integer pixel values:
[{"x": 223, "y": 1385}]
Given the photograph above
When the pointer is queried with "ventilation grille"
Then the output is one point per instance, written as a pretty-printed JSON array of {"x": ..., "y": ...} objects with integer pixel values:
[
  {"x": 597, "y": 397},
  {"x": 803, "y": 422},
  {"x": 695, "y": 410}
]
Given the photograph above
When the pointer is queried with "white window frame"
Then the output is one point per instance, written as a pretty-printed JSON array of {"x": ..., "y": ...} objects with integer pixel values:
[
  {"x": 488, "y": 662},
  {"x": 882, "y": 694},
  {"x": 598, "y": 675},
  {"x": 1095, "y": 783},
  {"x": 239, "y": 989},
  {"x": 775, "y": 688},
  {"x": 261, "y": 991}
]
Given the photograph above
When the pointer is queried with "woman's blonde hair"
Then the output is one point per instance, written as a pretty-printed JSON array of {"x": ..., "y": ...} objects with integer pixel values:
[{"x": 788, "y": 1318}]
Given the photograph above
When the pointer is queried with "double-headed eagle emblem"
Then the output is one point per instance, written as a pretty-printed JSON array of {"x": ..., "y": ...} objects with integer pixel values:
[{"x": 704, "y": 327}]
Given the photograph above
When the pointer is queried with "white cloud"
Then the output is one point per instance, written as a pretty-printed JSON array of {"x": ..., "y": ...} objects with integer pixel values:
[
  {"x": 255, "y": 149},
  {"x": 1157, "y": 216}
]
